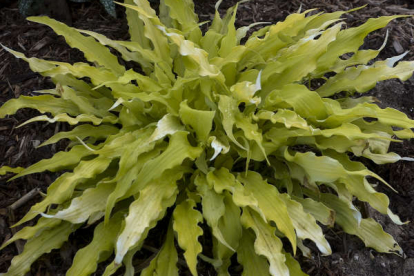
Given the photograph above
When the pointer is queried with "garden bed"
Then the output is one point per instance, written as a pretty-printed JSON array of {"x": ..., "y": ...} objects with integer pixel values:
[{"x": 18, "y": 145}]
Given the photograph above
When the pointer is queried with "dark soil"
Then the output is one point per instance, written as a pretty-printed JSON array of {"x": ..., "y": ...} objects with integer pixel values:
[{"x": 18, "y": 145}]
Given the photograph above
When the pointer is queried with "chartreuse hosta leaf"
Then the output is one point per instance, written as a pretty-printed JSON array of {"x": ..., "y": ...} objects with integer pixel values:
[
  {"x": 62, "y": 189},
  {"x": 266, "y": 242},
  {"x": 248, "y": 257},
  {"x": 211, "y": 135},
  {"x": 150, "y": 206},
  {"x": 348, "y": 217},
  {"x": 86, "y": 259},
  {"x": 29, "y": 232},
  {"x": 136, "y": 27},
  {"x": 186, "y": 220},
  {"x": 231, "y": 229},
  {"x": 5, "y": 169},
  {"x": 165, "y": 263},
  {"x": 40, "y": 244},
  {"x": 94, "y": 51},
  {"x": 81, "y": 208},
  {"x": 271, "y": 203},
  {"x": 83, "y": 131},
  {"x": 213, "y": 209}
]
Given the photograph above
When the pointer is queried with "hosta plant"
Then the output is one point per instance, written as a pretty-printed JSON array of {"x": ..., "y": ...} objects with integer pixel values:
[{"x": 256, "y": 142}]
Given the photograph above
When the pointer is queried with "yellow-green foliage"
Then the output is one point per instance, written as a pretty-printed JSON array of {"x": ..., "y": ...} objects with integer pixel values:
[{"x": 221, "y": 133}]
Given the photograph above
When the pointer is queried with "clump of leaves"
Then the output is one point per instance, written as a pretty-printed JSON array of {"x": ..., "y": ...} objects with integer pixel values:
[
  {"x": 26, "y": 7},
  {"x": 216, "y": 132}
]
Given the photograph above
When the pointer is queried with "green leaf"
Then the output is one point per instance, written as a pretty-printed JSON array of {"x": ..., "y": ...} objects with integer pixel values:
[
  {"x": 366, "y": 229},
  {"x": 361, "y": 188},
  {"x": 168, "y": 125},
  {"x": 178, "y": 150},
  {"x": 323, "y": 168},
  {"x": 284, "y": 116},
  {"x": 83, "y": 131},
  {"x": 294, "y": 266},
  {"x": 349, "y": 40},
  {"x": 229, "y": 39},
  {"x": 87, "y": 258},
  {"x": 222, "y": 180},
  {"x": 213, "y": 208},
  {"x": 129, "y": 266},
  {"x": 363, "y": 78},
  {"x": 151, "y": 31},
  {"x": 43, "y": 103},
  {"x": 83, "y": 103},
  {"x": 277, "y": 37},
  {"x": 210, "y": 42},
  {"x": 253, "y": 264},
  {"x": 201, "y": 121},
  {"x": 80, "y": 70},
  {"x": 5, "y": 169},
  {"x": 230, "y": 227},
  {"x": 242, "y": 31},
  {"x": 29, "y": 232},
  {"x": 186, "y": 220},
  {"x": 44, "y": 243},
  {"x": 297, "y": 62},
  {"x": 197, "y": 58},
  {"x": 244, "y": 91},
  {"x": 62, "y": 188},
  {"x": 304, "y": 102},
  {"x": 144, "y": 83},
  {"x": 144, "y": 212},
  {"x": 131, "y": 162},
  {"x": 305, "y": 225},
  {"x": 318, "y": 210},
  {"x": 228, "y": 109},
  {"x": 111, "y": 269},
  {"x": 58, "y": 161},
  {"x": 81, "y": 208},
  {"x": 165, "y": 263},
  {"x": 387, "y": 116},
  {"x": 73, "y": 121},
  {"x": 232, "y": 116},
  {"x": 36, "y": 65},
  {"x": 182, "y": 12},
  {"x": 136, "y": 26},
  {"x": 271, "y": 203},
  {"x": 98, "y": 98},
  {"x": 93, "y": 51},
  {"x": 266, "y": 243}
]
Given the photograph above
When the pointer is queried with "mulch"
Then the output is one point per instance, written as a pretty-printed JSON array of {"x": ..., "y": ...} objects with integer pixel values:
[{"x": 18, "y": 145}]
